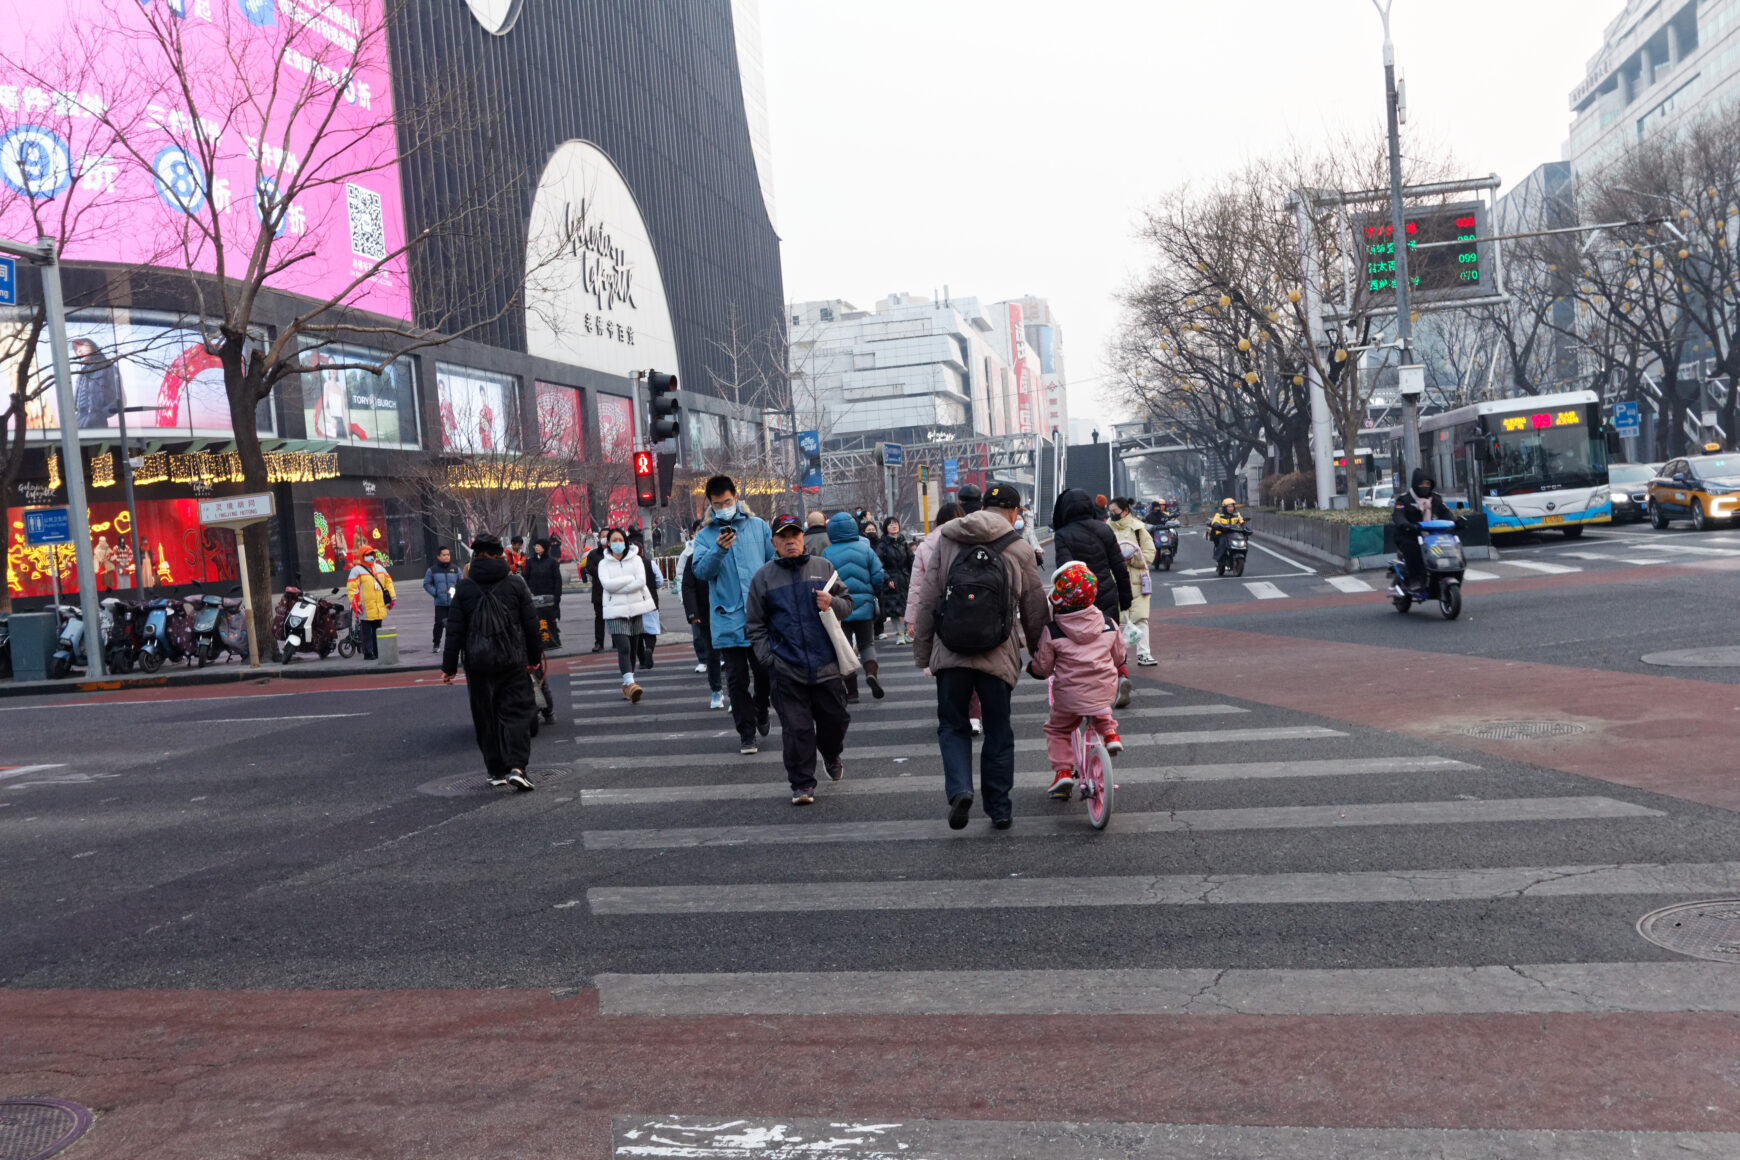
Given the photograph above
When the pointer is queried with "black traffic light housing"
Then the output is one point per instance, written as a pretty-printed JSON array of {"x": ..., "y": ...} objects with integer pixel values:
[
  {"x": 646, "y": 489},
  {"x": 664, "y": 415}
]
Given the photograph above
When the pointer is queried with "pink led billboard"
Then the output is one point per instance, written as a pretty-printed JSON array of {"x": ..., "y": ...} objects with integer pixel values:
[{"x": 145, "y": 130}]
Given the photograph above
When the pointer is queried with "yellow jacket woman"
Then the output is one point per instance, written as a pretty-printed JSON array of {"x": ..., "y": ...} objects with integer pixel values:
[{"x": 371, "y": 588}]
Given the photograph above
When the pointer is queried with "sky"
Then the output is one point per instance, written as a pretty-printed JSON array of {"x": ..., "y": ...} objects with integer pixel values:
[{"x": 1008, "y": 147}]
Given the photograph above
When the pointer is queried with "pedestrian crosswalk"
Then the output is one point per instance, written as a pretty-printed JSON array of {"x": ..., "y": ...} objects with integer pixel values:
[{"x": 1372, "y": 874}]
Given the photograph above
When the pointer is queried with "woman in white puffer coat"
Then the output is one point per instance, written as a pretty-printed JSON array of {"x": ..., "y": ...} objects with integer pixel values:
[{"x": 622, "y": 574}]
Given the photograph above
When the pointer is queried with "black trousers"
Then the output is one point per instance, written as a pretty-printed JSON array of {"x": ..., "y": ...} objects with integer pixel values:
[
  {"x": 502, "y": 709},
  {"x": 812, "y": 719},
  {"x": 598, "y": 621},
  {"x": 628, "y": 653},
  {"x": 370, "y": 639},
  {"x": 747, "y": 712},
  {"x": 441, "y": 611},
  {"x": 1408, "y": 543}
]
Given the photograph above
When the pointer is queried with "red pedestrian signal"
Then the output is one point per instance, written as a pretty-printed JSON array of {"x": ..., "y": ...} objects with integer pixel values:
[{"x": 645, "y": 479}]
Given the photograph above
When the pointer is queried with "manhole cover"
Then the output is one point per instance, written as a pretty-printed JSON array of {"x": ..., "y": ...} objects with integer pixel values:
[
  {"x": 1524, "y": 730},
  {"x": 470, "y": 785},
  {"x": 37, "y": 1129},
  {"x": 1704, "y": 930}
]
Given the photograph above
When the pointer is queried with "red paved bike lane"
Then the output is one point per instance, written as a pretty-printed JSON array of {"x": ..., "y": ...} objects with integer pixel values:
[{"x": 525, "y": 1074}]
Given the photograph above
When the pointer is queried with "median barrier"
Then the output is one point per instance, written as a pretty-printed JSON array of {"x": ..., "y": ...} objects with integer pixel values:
[{"x": 1353, "y": 547}]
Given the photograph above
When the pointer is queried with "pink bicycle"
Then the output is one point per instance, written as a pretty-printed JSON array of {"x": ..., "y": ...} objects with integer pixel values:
[{"x": 1093, "y": 769}]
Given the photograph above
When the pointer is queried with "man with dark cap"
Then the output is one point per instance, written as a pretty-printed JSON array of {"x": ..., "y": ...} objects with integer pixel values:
[
  {"x": 493, "y": 621},
  {"x": 970, "y": 498}
]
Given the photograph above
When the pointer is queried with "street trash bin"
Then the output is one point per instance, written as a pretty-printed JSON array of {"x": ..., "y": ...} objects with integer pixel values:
[
  {"x": 387, "y": 646},
  {"x": 35, "y": 636}
]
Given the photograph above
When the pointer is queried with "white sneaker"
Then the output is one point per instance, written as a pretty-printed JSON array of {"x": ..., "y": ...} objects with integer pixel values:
[
  {"x": 717, "y": 701},
  {"x": 700, "y": 667},
  {"x": 1145, "y": 660},
  {"x": 978, "y": 726}
]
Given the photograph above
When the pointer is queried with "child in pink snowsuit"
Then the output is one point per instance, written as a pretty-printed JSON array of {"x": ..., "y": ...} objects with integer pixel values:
[{"x": 1082, "y": 652}]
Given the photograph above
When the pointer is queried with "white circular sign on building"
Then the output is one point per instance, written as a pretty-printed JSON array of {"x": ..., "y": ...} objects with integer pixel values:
[
  {"x": 496, "y": 16},
  {"x": 594, "y": 297}
]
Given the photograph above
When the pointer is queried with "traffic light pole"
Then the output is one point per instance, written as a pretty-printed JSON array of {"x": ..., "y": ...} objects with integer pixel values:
[
  {"x": 1398, "y": 223},
  {"x": 638, "y": 418}
]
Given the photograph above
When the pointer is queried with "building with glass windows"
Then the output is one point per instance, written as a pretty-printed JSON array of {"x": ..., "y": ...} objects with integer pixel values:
[{"x": 623, "y": 146}]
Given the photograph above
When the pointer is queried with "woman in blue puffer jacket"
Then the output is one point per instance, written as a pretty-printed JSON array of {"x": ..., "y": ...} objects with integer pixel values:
[{"x": 856, "y": 562}]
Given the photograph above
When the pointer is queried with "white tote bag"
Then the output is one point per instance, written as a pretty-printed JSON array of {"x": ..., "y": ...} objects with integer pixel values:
[{"x": 844, "y": 653}]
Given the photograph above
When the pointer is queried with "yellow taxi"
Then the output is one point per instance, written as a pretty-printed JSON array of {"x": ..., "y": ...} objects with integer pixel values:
[{"x": 1702, "y": 488}]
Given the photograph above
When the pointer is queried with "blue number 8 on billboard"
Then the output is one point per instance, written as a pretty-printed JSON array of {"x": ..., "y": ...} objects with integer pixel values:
[{"x": 179, "y": 179}]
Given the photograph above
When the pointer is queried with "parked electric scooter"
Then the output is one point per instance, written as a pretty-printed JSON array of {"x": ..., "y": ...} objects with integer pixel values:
[
  {"x": 70, "y": 652},
  {"x": 218, "y": 627},
  {"x": 5, "y": 647},
  {"x": 122, "y": 625},
  {"x": 306, "y": 623},
  {"x": 1442, "y": 550},
  {"x": 166, "y": 636}
]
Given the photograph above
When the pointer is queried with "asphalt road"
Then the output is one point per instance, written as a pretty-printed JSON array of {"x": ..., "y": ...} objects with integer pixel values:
[{"x": 1298, "y": 869}]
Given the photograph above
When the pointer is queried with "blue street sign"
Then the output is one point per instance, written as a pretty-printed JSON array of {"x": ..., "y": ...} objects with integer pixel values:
[
  {"x": 810, "y": 442},
  {"x": 8, "y": 281},
  {"x": 893, "y": 455},
  {"x": 45, "y": 526},
  {"x": 951, "y": 473},
  {"x": 1626, "y": 419}
]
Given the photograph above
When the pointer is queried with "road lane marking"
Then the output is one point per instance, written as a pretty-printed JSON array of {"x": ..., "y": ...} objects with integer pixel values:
[
  {"x": 9, "y": 771},
  {"x": 1538, "y": 566},
  {"x": 858, "y": 726},
  {"x": 1347, "y": 888},
  {"x": 1171, "y": 822},
  {"x": 735, "y": 1137},
  {"x": 1185, "y": 595},
  {"x": 1348, "y": 584},
  {"x": 1303, "y": 569},
  {"x": 929, "y": 748},
  {"x": 926, "y": 782},
  {"x": 1529, "y": 989},
  {"x": 1263, "y": 590},
  {"x": 1477, "y": 574},
  {"x": 288, "y": 717}
]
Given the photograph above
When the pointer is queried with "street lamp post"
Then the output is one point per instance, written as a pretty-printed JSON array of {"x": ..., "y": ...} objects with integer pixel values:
[{"x": 1398, "y": 224}]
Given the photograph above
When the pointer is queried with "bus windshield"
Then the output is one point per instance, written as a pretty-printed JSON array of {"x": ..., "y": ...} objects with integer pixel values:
[{"x": 1544, "y": 458}]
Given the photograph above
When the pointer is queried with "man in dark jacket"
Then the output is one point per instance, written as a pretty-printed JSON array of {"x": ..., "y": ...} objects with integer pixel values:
[
  {"x": 590, "y": 569},
  {"x": 1078, "y": 535},
  {"x": 439, "y": 581},
  {"x": 1414, "y": 506},
  {"x": 815, "y": 533},
  {"x": 544, "y": 577},
  {"x": 502, "y": 705},
  {"x": 784, "y": 625},
  {"x": 970, "y": 498}
]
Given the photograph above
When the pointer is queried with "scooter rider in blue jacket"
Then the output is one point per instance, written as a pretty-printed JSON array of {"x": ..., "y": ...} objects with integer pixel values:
[{"x": 729, "y": 550}]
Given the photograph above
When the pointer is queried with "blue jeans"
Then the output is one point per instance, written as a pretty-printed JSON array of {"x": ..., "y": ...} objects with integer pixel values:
[{"x": 954, "y": 692}]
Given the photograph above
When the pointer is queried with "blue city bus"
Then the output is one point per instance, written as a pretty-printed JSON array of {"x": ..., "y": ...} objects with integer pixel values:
[{"x": 1533, "y": 463}]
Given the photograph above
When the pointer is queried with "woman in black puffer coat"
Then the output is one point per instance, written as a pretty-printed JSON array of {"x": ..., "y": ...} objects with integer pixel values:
[
  {"x": 896, "y": 557},
  {"x": 1077, "y": 534}
]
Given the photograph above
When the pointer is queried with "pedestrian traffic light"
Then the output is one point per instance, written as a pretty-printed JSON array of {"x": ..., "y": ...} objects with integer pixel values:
[
  {"x": 664, "y": 417},
  {"x": 645, "y": 479}
]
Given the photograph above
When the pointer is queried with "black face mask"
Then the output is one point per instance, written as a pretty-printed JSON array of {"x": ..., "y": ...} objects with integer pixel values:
[{"x": 1424, "y": 491}]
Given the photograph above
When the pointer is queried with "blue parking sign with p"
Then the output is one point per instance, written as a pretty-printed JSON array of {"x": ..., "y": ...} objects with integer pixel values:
[
  {"x": 8, "y": 281},
  {"x": 1626, "y": 419}
]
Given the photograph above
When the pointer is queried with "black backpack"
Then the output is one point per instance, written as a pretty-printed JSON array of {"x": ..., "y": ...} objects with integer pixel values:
[
  {"x": 977, "y": 609},
  {"x": 494, "y": 643}
]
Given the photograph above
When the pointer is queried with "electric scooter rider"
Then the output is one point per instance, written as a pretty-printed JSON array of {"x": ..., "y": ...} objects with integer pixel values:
[
  {"x": 1227, "y": 519},
  {"x": 1419, "y": 502}
]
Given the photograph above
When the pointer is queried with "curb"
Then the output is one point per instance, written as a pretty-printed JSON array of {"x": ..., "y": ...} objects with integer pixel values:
[{"x": 196, "y": 677}]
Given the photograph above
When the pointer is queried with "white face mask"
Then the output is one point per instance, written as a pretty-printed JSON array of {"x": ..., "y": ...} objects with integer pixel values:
[
  {"x": 618, "y": 548},
  {"x": 1020, "y": 525},
  {"x": 725, "y": 513}
]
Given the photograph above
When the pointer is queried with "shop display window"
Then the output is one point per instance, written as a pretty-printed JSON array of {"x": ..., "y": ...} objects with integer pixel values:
[{"x": 171, "y": 538}]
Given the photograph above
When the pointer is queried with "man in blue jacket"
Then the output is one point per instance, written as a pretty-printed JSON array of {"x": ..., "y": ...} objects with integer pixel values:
[
  {"x": 786, "y": 602},
  {"x": 729, "y": 550},
  {"x": 439, "y": 581},
  {"x": 858, "y": 565}
]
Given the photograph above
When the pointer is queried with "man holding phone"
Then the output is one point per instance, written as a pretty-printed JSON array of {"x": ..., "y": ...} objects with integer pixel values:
[{"x": 729, "y": 550}]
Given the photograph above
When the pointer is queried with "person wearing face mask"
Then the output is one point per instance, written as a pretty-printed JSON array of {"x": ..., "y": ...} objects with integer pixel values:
[
  {"x": 371, "y": 594},
  {"x": 627, "y": 600},
  {"x": 1137, "y": 545},
  {"x": 729, "y": 550},
  {"x": 1420, "y": 502}
]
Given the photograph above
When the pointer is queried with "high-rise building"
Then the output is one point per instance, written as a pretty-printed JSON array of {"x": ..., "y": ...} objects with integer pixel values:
[
  {"x": 1045, "y": 337},
  {"x": 1661, "y": 61},
  {"x": 911, "y": 370}
]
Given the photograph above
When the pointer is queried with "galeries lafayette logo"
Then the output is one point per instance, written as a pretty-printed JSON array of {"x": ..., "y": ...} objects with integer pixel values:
[{"x": 496, "y": 16}]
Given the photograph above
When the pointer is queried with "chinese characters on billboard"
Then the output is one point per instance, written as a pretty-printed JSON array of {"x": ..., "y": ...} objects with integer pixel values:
[
  {"x": 349, "y": 403},
  {"x": 178, "y": 548},
  {"x": 479, "y": 410},
  {"x": 157, "y": 123}
]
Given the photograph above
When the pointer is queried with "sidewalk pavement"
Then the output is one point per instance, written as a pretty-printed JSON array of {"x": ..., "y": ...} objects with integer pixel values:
[{"x": 412, "y": 617}]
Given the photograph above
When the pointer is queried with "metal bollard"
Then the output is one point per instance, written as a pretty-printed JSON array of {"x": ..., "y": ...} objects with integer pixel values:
[{"x": 387, "y": 646}]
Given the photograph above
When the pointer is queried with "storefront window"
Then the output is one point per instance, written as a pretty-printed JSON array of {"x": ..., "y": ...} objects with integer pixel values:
[
  {"x": 179, "y": 549},
  {"x": 560, "y": 427},
  {"x": 131, "y": 359},
  {"x": 344, "y": 528},
  {"x": 615, "y": 428},
  {"x": 349, "y": 403},
  {"x": 479, "y": 410}
]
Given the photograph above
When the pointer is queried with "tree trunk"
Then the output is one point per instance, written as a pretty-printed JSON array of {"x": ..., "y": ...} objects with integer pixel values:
[
  {"x": 13, "y": 467},
  {"x": 242, "y": 386},
  {"x": 1350, "y": 447}
]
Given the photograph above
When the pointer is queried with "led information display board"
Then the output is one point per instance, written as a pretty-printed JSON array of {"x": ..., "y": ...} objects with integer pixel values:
[{"x": 1438, "y": 273}]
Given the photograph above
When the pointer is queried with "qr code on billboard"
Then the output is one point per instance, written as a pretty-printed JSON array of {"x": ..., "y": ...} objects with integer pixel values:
[{"x": 368, "y": 230}]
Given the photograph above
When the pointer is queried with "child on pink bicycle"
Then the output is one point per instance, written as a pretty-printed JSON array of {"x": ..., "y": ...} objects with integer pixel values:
[{"x": 1082, "y": 651}]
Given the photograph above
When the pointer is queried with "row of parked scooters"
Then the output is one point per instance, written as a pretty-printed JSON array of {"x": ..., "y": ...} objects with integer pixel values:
[{"x": 200, "y": 629}]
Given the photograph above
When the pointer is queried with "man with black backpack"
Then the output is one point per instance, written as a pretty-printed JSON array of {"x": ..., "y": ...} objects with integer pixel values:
[
  {"x": 982, "y": 595},
  {"x": 494, "y": 622}
]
